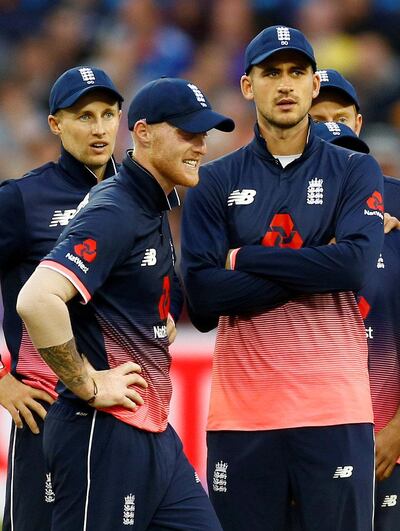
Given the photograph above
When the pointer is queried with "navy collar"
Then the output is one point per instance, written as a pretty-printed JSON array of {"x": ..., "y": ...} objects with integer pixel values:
[
  {"x": 78, "y": 172},
  {"x": 259, "y": 144},
  {"x": 143, "y": 185}
]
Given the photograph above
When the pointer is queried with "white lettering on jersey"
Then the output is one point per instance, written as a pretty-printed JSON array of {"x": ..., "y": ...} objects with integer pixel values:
[
  {"x": 343, "y": 472},
  {"x": 150, "y": 258},
  {"x": 390, "y": 500},
  {"x": 160, "y": 331},
  {"x": 241, "y": 197},
  {"x": 77, "y": 261},
  {"x": 61, "y": 217}
]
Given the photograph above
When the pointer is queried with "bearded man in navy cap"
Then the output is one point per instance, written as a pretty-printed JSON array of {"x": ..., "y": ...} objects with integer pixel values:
[
  {"x": 85, "y": 110},
  {"x": 290, "y": 412},
  {"x": 115, "y": 460}
]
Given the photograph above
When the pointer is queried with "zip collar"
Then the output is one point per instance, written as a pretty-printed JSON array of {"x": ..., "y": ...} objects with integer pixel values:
[
  {"x": 142, "y": 184},
  {"x": 259, "y": 144},
  {"x": 80, "y": 173}
]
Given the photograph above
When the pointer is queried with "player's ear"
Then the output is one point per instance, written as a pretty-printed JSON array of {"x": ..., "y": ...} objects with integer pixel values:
[
  {"x": 142, "y": 131},
  {"x": 358, "y": 125},
  {"x": 316, "y": 85},
  {"x": 247, "y": 87},
  {"x": 54, "y": 124}
]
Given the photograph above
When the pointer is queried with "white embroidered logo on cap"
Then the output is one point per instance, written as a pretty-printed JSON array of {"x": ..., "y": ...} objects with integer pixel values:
[
  {"x": 87, "y": 75},
  {"x": 333, "y": 128},
  {"x": 199, "y": 95},
  {"x": 283, "y": 35},
  {"x": 323, "y": 75}
]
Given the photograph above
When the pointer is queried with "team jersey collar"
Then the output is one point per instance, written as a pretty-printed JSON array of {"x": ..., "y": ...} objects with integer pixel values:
[
  {"x": 78, "y": 172},
  {"x": 261, "y": 148},
  {"x": 143, "y": 185}
]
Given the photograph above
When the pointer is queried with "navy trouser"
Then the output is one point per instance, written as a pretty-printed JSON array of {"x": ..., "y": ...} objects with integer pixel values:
[
  {"x": 29, "y": 494},
  {"x": 109, "y": 476},
  {"x": 253, "y": 477},
  {"x": 387, "y": 502}
]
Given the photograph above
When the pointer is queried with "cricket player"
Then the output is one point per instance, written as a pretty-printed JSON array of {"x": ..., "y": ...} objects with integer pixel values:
[
  {"x": 290, "y": 410},
  {"x": 379, "y": 303},
  {"x": 85, "y": 110},
  {"x": 96, "y": 308}
]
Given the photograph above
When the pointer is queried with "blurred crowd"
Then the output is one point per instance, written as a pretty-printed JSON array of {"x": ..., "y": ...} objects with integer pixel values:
[{"x": 202, "y": 40}]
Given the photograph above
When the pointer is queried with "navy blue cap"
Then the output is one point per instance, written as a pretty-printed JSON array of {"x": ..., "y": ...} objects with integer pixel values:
[
  {"x": 76, "y": 82},
  {"x": 332, "y": 79},
  {"x": 274, "y": 39},
  {"x": 341, "y": 135},
  {"x": 178, "y": 102}
]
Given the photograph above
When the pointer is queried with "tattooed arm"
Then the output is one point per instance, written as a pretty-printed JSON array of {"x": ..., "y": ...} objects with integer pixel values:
[{"x": 42, "y": 306}]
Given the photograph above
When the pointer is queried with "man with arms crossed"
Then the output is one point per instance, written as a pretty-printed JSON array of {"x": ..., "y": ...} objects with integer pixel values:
[
  {"x": 379, "y": 303},
  {"x": 116, "y": 463},
  {"x": 84, "y": 114},
  {"x": 290, "y": 413}
]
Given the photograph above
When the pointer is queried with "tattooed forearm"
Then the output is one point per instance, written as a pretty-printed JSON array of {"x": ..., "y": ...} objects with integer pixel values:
[{"x": 66, "y": 362}]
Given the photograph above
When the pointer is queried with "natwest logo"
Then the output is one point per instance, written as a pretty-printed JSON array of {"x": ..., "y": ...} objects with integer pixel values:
[
  {"x": 282, "y": 233},
  {"x": 86, "y": 250},
  {"x": 375, "y": 202},
  {"x": 375, "y": 205}
]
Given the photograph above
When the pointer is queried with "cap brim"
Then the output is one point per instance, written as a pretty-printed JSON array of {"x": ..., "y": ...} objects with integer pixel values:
[
  {"x": 202, "y": 121},
  {"x": 260, "y": 58},
  {"x": 342, "y": 91},
  {"x": 75, "y": 97},
  {"x": 351, "y": 142}
]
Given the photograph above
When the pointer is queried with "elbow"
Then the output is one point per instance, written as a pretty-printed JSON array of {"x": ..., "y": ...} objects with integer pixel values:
[{"x": 25, "y": 303}]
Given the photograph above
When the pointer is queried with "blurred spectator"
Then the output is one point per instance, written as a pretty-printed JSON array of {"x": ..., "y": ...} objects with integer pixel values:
[{"x": 384, "y": 143}]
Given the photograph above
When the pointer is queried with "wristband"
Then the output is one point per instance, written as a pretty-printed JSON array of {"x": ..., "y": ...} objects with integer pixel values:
[
  {"x": 95, "y": 391},
  {"x": 3, "y": 370}
]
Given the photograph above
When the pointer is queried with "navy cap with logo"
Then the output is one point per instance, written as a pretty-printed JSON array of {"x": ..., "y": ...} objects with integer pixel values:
[
  {"x": 178, "y": 102},
  {"x": 275, "y": 39},
  {"x": 332, "y": 79},
  {"x": 76, "y": 82},
  {"x": 341, "y": 135}
]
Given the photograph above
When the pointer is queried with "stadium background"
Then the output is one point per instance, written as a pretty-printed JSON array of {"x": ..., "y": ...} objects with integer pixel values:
[{"x": 202, "y": 40}]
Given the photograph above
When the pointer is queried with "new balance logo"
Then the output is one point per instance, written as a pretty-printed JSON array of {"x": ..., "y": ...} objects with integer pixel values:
[
  {"x": 62, "y": 217},
  {"x": 241, "y": 197},
  {"x": 381, "y": 263},
  {"x": 323, "y": 75},
  {"x": 199, "y": 95},
  {"x": 343, "y": 472},
  {"x": 150, "y": 258},
  {"x": 87, "y": 75},
  {"x": 315, "y": 192},
  {"x": 390, "y": 500},
  {"x": 283, "y": 34}
]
